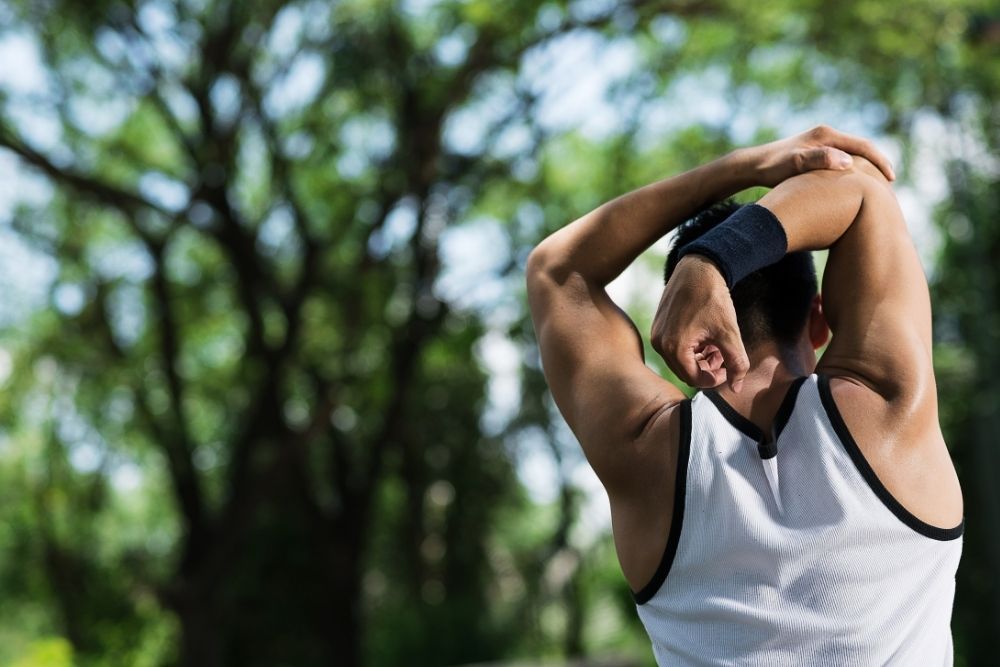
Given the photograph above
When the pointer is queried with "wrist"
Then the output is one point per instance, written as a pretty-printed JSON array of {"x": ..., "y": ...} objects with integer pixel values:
[
  {"x": 750, "y": 239},
  {"x": 749, "y": 165},
  {"x": 702, "y": 268},
  {"x": 736, "y": 171}
]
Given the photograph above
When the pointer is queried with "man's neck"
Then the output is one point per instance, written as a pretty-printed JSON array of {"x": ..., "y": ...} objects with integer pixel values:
[{"x": 772, "y": 371}]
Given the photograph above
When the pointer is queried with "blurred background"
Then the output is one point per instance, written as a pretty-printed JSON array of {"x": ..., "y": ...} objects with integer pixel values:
[{"x": 269, "y": 394}]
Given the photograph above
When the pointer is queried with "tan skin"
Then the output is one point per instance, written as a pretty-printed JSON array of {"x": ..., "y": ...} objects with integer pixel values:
[{"x": 625, "y": 415}]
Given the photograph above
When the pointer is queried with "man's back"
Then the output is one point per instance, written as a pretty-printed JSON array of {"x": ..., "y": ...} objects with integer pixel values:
[
  {"x": 749, "y": 281},
  {"x": 812, "y": 563}
]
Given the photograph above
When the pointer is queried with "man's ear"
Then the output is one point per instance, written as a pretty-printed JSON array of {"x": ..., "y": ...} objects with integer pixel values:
[{"x": 819, "y": 330}]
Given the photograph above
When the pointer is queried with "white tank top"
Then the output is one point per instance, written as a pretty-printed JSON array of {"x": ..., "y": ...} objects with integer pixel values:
[{"x": 798, "y": 558}]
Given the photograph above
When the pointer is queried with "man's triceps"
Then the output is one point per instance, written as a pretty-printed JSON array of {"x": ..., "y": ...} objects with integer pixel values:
[
  {"x": 593, "y": 359},
  {"x": 877, "y": 302}
]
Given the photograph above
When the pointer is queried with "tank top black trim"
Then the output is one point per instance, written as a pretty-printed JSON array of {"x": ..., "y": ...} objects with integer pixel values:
[
  {"x": 733, "y": 417},
  {"x": 787, "y": 406},
  {"x": 861, "y": 463},
  {"x": 768, "y": 448},
  {"x": 677, "y": 518}
]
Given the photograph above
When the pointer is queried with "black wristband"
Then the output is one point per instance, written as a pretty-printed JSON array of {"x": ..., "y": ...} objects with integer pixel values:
[{"x": 749, "y": 239}]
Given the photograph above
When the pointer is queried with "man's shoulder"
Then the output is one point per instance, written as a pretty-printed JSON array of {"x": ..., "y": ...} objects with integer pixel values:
[
  {"x": 901, "y": 443},
  {"x": 910, "y": 414}
]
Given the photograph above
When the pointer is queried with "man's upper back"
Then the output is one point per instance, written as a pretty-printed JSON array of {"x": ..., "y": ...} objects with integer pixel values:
[
  {"x": 818, "y": 564},
  {"x": 876, "y": 301},
  {"x": 629, "y": 420}
]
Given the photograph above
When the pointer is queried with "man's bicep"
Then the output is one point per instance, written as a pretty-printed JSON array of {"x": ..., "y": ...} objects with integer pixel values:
[
  {"x": 876, "y": 300},
  {"x": 592, "y": 357}
]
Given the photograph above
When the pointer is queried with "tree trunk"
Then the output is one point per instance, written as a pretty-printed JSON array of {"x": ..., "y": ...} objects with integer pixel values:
[
  {"x": 346, "y": 573},
  {"x": 201, "y": 644}
]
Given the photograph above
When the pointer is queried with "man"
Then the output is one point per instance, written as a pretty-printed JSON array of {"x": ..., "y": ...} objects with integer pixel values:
[{"x": 794, "y": 512}]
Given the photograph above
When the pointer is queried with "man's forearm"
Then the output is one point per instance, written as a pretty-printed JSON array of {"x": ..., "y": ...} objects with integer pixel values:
[
  {"x": 807, "y": 212},
  {"x": 601, "y": 244},
  {"x": 816, "y": 209}
]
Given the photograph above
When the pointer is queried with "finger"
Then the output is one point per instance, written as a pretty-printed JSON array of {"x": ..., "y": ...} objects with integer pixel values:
[
  {"x": 735, "y": 360},
  {"x": 860, "y": 146},
  {"x": 700, "y": 373},
  {"x": 712, "y": 364},
  {"x": 711, "y": 358},
  {"x": 711, "y": 372},
  {"x": 682, "y": 363},
  {"x": 704, "y": 351},
  {"x": 825, "y": 157}
]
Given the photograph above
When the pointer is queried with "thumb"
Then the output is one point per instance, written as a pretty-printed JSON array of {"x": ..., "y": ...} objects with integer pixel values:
[
  {"x": 826, "y": 157},
  {"x": 735, "y": 359}
]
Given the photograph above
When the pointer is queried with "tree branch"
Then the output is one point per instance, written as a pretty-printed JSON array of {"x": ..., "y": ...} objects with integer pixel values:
[
  {"x": 172, "y": 441},
  {"x": 408, "y": 342},
  {"x": 125, "y": 201},
  {"x": 282, "y": 175}
]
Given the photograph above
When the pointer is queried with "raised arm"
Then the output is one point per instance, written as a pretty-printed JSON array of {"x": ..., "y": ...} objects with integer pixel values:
[
  {"x": 875, "y": 295},
  {"x": 591, "y": 351},
  {"x": 620, "y": 410},
  {"x": 876, "y": 301}
]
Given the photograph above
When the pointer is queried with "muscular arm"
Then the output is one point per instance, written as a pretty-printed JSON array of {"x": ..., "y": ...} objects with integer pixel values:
[
  {"x": 876, "y": 301},
  {"x": 618, "y": 408},
  {"x": 591, "y": 351},
  {"x": 875, "y": 294}
]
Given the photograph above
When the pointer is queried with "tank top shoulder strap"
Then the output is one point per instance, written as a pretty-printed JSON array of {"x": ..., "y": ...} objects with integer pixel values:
[{"x": 677, "y": 516}]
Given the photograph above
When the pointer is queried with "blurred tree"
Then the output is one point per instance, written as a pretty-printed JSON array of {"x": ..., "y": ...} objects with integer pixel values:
[
  {"x": 967, "y": 288},
  {"x": 278, "y": 170},
  {"x": 252, "y": 418}
]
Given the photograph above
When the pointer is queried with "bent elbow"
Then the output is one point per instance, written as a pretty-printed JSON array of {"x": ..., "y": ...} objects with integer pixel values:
[
  {"x": 545, "y": 261},
  {"x": 537, "y": 261}
]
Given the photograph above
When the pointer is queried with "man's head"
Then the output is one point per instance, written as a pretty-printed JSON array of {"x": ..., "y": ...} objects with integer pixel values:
[{"x": 773, "y": 304}]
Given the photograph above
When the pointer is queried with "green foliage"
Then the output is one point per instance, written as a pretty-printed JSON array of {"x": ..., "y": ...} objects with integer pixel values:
[
  {"x": 254, "y": 420},
  {"x": 47, "y": 653}
]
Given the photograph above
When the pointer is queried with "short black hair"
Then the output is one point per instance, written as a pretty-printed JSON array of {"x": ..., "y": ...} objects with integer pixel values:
[{"x": 771, "y": 304}]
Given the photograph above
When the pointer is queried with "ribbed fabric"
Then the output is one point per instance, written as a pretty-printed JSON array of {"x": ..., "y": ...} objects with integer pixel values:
[{"x": 835, "y": 577}]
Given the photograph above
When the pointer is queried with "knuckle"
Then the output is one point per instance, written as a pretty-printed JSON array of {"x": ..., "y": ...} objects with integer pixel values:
[
  {"x": 799, "y": 161},
  {"x": 865, "y": 165},
  {"x": 820, "y": 131}
]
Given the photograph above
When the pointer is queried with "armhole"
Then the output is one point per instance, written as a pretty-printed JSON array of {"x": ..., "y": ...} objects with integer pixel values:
[
  {"x": 677, "y": 518},
  {"x": 861, "y": 463}
]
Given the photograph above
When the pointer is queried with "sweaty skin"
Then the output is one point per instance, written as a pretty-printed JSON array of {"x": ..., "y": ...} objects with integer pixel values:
[{"x": 624, "y": 414}]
